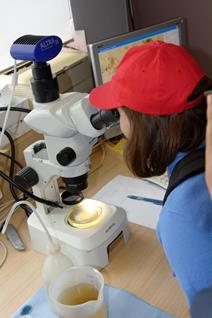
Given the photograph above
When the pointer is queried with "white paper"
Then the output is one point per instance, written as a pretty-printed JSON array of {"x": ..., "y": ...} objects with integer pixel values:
[{"x": 140, "y": 212}]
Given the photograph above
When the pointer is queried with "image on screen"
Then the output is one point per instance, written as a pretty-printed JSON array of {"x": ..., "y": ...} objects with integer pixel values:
[{"x": 106, "y": 55}]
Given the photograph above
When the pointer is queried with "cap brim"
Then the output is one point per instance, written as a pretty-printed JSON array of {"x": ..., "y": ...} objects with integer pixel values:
[{"x": 102, "y": 97}]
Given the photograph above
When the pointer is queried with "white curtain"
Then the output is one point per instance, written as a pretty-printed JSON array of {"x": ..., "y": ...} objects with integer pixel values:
[{"x": 39, "y": 17}]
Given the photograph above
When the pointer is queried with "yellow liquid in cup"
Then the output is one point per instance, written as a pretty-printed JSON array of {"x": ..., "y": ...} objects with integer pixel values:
[{"x": 80, "y": 294}]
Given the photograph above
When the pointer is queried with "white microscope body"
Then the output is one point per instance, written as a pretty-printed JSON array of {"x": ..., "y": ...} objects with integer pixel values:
[
  {"x": 68, "y": 139},
  {"x": 65, "y": 124}
]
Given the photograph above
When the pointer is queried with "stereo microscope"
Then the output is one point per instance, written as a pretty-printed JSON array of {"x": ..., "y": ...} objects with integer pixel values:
[{"x": 85, "y": 228}]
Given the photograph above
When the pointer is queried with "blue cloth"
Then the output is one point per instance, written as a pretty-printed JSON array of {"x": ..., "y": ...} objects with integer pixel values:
[
  {"x": 120, "y": 304},
  {"x": 185, "y": 231}
]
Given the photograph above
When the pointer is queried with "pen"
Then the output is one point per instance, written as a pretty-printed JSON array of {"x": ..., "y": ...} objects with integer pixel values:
[{"x": 137, "y": 197}]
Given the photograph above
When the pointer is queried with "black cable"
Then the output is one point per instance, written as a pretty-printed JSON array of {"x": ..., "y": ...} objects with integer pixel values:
[
  {"x": 15, "y": 162},
  {"x": 16, "y": 109},
  {"x": 30, "y": 194},
  {"x": 12, "y": 165},
  {"x": 24, "y": 110},
  {"x": 12, "y": 159},
  {"x": 26, "y": 209}
]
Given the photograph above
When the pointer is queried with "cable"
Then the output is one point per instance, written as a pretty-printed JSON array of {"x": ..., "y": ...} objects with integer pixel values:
[
  {"x": 30, "y": 194},
  {"x": 16, "y": 109},
  {"x": 2, "y": 261},
  {"x": 12, "y": 145},
  {"x": 15, "y": 196},
  {"x": 12, "y": 159},
  {"x": 12, "y": 210},
  {"x": 2, "y": 208},
  {"x": 14, "y": 83},
  {"x": 11, "y": 172},
  {"x": 12, "y": 165}
]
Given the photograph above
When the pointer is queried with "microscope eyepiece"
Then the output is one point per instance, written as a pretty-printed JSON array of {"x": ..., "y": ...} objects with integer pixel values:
[{"x": 104, "y": 118}]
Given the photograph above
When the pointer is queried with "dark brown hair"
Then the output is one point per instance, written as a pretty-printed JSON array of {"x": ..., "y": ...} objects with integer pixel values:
[{"x": 154, "y": 141}]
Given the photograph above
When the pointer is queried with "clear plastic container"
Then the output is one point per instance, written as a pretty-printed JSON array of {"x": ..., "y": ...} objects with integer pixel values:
[{"x": 72, "y": 279}]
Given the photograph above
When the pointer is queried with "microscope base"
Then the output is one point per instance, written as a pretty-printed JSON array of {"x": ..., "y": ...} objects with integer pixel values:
[{"x": 84, "y": 246}]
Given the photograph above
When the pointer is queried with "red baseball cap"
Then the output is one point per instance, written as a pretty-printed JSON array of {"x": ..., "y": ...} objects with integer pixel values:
[{"x": 155, "y": 78}]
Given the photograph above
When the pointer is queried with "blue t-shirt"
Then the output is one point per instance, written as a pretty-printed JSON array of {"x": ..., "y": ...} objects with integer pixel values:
[{"x": 185, "y": 231}]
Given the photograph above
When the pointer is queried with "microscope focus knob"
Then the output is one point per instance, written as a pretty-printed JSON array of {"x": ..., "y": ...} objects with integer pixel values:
[
  {"x": 66, "y": 156},
  {"x": 26, "y": 177}
]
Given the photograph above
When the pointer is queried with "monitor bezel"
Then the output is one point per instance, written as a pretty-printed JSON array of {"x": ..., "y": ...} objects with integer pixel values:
[{"x": 94, "y": 47}]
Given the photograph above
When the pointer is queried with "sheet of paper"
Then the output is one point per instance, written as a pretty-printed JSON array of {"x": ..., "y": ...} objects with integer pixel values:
[{"x": 144, "y": 213}]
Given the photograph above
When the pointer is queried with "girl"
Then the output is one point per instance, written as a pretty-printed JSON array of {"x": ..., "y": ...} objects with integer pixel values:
[{"x": 158, "y": 90}]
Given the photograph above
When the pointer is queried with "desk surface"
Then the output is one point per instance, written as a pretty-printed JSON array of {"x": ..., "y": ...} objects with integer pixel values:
[{"x": 139, "y": 266}]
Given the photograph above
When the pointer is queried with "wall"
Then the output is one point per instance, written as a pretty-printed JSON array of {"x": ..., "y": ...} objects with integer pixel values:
[
  {"x": 22, "y": 17},
  {"x": 198, "y": 15}
]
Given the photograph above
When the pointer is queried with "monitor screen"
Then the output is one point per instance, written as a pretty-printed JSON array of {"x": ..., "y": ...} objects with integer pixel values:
[{"x": 105, "y": 55}]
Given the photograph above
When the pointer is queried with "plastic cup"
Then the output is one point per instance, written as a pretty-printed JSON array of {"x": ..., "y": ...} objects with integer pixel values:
[{"x": 77, "y": 276}]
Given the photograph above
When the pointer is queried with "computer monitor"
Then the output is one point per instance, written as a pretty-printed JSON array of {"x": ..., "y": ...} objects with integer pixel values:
[{"x": 106, "y": 54}]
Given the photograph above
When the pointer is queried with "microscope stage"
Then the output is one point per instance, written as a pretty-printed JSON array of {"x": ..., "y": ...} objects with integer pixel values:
[{"x": 84, "y": 231}]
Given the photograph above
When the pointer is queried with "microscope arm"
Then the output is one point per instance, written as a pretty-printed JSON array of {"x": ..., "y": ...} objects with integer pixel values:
[{"x": 69, "y": 123}]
